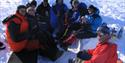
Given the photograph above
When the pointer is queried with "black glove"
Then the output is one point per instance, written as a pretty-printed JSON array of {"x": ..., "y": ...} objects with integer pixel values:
[{"x": 84, "y": 55}]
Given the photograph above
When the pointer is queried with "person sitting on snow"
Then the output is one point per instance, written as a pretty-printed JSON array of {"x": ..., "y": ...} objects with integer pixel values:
[
  {"x": 82, "y": 7},
  {"x": 90, "y": 23},
  {"x": 43, "y": 13},
  {"x": 73, "y": 16},
  {"x": 60, "y": 10},
  {"x": 33, "y": 4},
  {"x": 105, "y": 51},
  {"x": 85, "y": 27}
]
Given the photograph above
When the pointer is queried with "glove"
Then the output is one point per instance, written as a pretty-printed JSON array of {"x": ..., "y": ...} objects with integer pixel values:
[{"x": 84, "y": 55}]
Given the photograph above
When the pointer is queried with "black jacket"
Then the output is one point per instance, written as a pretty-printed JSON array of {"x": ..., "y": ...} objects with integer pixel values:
[{"x": 43, "y": 11}]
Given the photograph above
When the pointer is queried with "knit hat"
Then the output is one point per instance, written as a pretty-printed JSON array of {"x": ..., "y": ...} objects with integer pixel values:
[
  {"x": 104, "y": 29},
  {"x": 31, "y": 3},
  {"x": 21, "y": 6},
  {"x": 93, "y": 7}
]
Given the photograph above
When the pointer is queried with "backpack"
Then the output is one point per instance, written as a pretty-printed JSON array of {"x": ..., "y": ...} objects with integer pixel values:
[{"x": 9, "y": 18}]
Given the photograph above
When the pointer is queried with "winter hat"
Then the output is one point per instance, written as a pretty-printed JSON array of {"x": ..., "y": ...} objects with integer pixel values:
[
  {"x": 31, "y": 3},
  {"x": 92, "y": 7},
  {"x": 104, "y": 29},
  {"x": 21, "y": 6}
]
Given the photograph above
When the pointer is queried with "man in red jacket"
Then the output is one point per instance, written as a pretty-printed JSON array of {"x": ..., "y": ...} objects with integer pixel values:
[
  {"x": 105, "y": 51},
  {"x": 17, "y": 35}
]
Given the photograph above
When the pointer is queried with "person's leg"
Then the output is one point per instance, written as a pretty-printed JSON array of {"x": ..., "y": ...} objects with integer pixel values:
[{"x": 50, "y": 53}]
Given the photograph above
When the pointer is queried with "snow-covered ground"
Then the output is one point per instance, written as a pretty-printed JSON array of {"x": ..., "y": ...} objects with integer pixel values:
[{"x": 112, "y": 12}]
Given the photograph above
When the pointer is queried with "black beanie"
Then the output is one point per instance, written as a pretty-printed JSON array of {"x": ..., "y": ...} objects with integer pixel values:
[
  {"x": 33, "y": 3},
  {"x": 93, "y": 7},
  {"x": 21, "y": 6}
]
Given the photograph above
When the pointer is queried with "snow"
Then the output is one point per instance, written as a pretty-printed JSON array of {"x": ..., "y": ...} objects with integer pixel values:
[{"x": 112, "y": 12}]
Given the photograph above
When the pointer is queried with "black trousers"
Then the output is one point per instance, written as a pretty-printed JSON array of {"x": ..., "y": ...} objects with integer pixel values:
[{"x": 27, "y": 56}]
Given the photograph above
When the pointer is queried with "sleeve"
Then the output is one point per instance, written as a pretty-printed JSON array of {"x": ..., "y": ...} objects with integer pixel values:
[
  {"x": 14, "y": 30},
  {"x": 65, "y": 8},
  {"x": 38, "y": 10},
  {"x": 103, "y": 56},
  {"x": 54, "y": 9},
  {"x": 90, "y": 51},
  {"x": 91, "y": 19}
]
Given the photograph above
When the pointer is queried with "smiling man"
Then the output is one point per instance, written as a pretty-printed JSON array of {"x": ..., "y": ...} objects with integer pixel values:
[{"x": 105, "y": 51}]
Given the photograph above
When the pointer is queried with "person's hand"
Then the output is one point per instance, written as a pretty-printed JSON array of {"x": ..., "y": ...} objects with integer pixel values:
[
  {"x": 84, "y": 55},
  {"x": 83, "y": 19}
]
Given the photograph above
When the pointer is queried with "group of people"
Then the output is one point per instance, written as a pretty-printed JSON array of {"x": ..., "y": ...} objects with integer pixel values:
[{"x": 36, "y": 30}]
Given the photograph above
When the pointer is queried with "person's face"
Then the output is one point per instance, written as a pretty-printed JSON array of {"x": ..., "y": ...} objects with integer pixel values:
[
  {"x": 22, "y": 11},
  {"x": 91, "y": 11},
  {"x": 31, "y": 11},
  {"x": 45, "y": 2},
  {"x": 103, "y": 37},
  {"x": 33, "y": 6},
  {"x": 75, "y": 5}
]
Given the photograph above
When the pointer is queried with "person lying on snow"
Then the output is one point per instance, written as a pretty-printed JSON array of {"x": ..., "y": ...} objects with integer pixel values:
[{"x": 105, "y": 51}]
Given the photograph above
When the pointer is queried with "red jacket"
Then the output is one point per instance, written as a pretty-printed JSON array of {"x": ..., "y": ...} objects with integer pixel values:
[
  {"x": 17, "y": 46},
  {"x": 103, "y": 53}
]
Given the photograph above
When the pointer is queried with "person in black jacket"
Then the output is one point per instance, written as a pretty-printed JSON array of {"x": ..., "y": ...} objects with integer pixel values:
[
  {"x": 47, "y": 44},
  {"x": 43, "y": 11},
  {"x": 17, "y": 34}
]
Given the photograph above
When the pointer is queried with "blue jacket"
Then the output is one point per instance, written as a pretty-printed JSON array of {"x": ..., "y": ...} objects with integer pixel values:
[
  {"x": 60, "y": 8},
  {"x": 94, "y": 20},
  {"x": 82, "y": 7},
  {"x": 53, "y": 19},
  {"x": 73, "y": 16}
]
